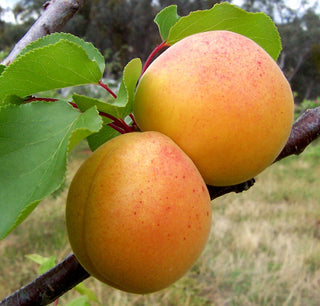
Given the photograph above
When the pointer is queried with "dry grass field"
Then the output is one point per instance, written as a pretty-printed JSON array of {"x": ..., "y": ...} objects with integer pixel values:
[{"x": 264, "y": 247}]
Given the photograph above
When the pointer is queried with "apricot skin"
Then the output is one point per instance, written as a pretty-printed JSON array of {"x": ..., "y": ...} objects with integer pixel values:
[
  {"x": 223, "y": 100},
  {"x": 138, "y": 213}
]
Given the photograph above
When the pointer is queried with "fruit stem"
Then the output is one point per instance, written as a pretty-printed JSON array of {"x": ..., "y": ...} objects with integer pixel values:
[
  {"x": 105, "y": 86},
  {"x": 117, "y": 124},
  {"x": 117, "y": 128},
  {"x": 134, "y": 123},
  {"x": 152, "y": 55},
  {"x": 32, "y": 98}
]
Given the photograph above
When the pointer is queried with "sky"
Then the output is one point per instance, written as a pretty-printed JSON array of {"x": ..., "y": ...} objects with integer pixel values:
[
  {"x": 294, "y": 4},
  {"x": 8, "y": 16}
]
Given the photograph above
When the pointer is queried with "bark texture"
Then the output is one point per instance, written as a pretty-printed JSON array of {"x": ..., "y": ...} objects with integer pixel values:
[{"x": 55, "y": 15}]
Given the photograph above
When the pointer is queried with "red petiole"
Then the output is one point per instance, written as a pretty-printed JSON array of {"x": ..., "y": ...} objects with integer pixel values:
[
  {"x": 119, "y": 124},
  {"x": 31, "y": 99},
  {"x": 152, "y": 55},
  {"x": 105, "y": 86}
]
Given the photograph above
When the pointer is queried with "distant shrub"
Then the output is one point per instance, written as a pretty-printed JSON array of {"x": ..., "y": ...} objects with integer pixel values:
[{"x": 306, "y": 104}]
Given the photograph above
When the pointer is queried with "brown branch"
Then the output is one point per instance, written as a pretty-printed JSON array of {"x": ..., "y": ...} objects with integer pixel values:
[
  {"x": 55, "y": 15},
  {"x": 216, "y": 191},
  {"x": 49, "y": 286},
  {"x": 305, "y": 130}
]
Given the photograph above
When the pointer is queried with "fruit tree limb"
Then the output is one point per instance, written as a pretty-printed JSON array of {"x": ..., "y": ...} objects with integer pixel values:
[
  {"x": 68, "y": 273},
  {"x": 49, "y": 286},
  {"x": 55, "y": 15},
  {"x": 217, "y": 191},
  {"x": 305, "y": 130}
]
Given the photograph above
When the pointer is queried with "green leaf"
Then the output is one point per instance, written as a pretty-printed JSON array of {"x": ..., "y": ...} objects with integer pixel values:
[
  {"x": 80, "y": 301},
  {"x": 130, "y": 77},
  {"x": 46, "y": 263},
  {"x": 53, "y": 66},
  {"x": 83, "y": 290},
  {"x": 13, "y": 99},
  {"x": 85, "y": 102},
  {"x": 2, "y": 67},
  {"x": 120, "y": 107},
  {"x": 34, "y": 141},
  {"x": 257, "y": 26},
  {"x": 92, "y": 52},
  {"x": 165, "y": 19},
  {"x": 105, "y": 134}
]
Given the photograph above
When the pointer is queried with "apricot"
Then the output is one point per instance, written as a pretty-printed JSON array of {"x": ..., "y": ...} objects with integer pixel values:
[
  {"x": 222, "y": 99},
  {"x": 138, "y": 213}
]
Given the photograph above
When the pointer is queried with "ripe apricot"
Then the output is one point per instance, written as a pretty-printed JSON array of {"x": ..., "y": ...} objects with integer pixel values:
[
  {"x": 222, "y": 99},
  {"x": 138, "y": 213}
]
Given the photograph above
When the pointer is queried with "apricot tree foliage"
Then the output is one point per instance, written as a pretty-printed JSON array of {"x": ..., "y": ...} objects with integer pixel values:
[{"x": 37, "y": 132}]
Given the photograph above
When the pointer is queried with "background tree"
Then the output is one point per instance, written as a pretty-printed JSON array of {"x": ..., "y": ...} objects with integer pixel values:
[
  {"x": 120, "y": 29},
  {"x": 123, "y": 29},
  {"x": 302, "y": 35},
  {"x": 28, "y": 9}
]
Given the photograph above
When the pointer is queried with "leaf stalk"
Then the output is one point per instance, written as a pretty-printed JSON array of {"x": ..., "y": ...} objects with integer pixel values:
[
  {"x": 105, "y": 86},
  {"x": 153, "y": 54}
]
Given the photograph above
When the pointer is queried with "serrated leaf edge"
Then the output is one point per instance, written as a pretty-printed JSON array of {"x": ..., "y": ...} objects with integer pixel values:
[
  {"x": 61, "y": 36},
  {"x": 161, "y": 12},
  {"x": 224, "y": 4},
  {"x": 69, "y": 147},
  {"x": 21, "y": 217},
  {"x": 124, "y": 81},
  {"x": 5, "y": 71}
]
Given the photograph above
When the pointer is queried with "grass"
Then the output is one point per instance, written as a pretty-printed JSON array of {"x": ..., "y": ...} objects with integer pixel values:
[{"x": 264, "y": 248}]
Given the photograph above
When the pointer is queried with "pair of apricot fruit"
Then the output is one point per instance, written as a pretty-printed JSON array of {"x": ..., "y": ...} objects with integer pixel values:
[{"x": 214, "y": 109}]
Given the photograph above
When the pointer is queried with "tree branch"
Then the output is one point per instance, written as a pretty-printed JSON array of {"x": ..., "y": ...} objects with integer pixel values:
[
  {"x": 49, "y": 286},
  {"x": 217, "y": 191},
  {"x": 305, "y": 130},
  {"x": 55, "y": 15}
]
